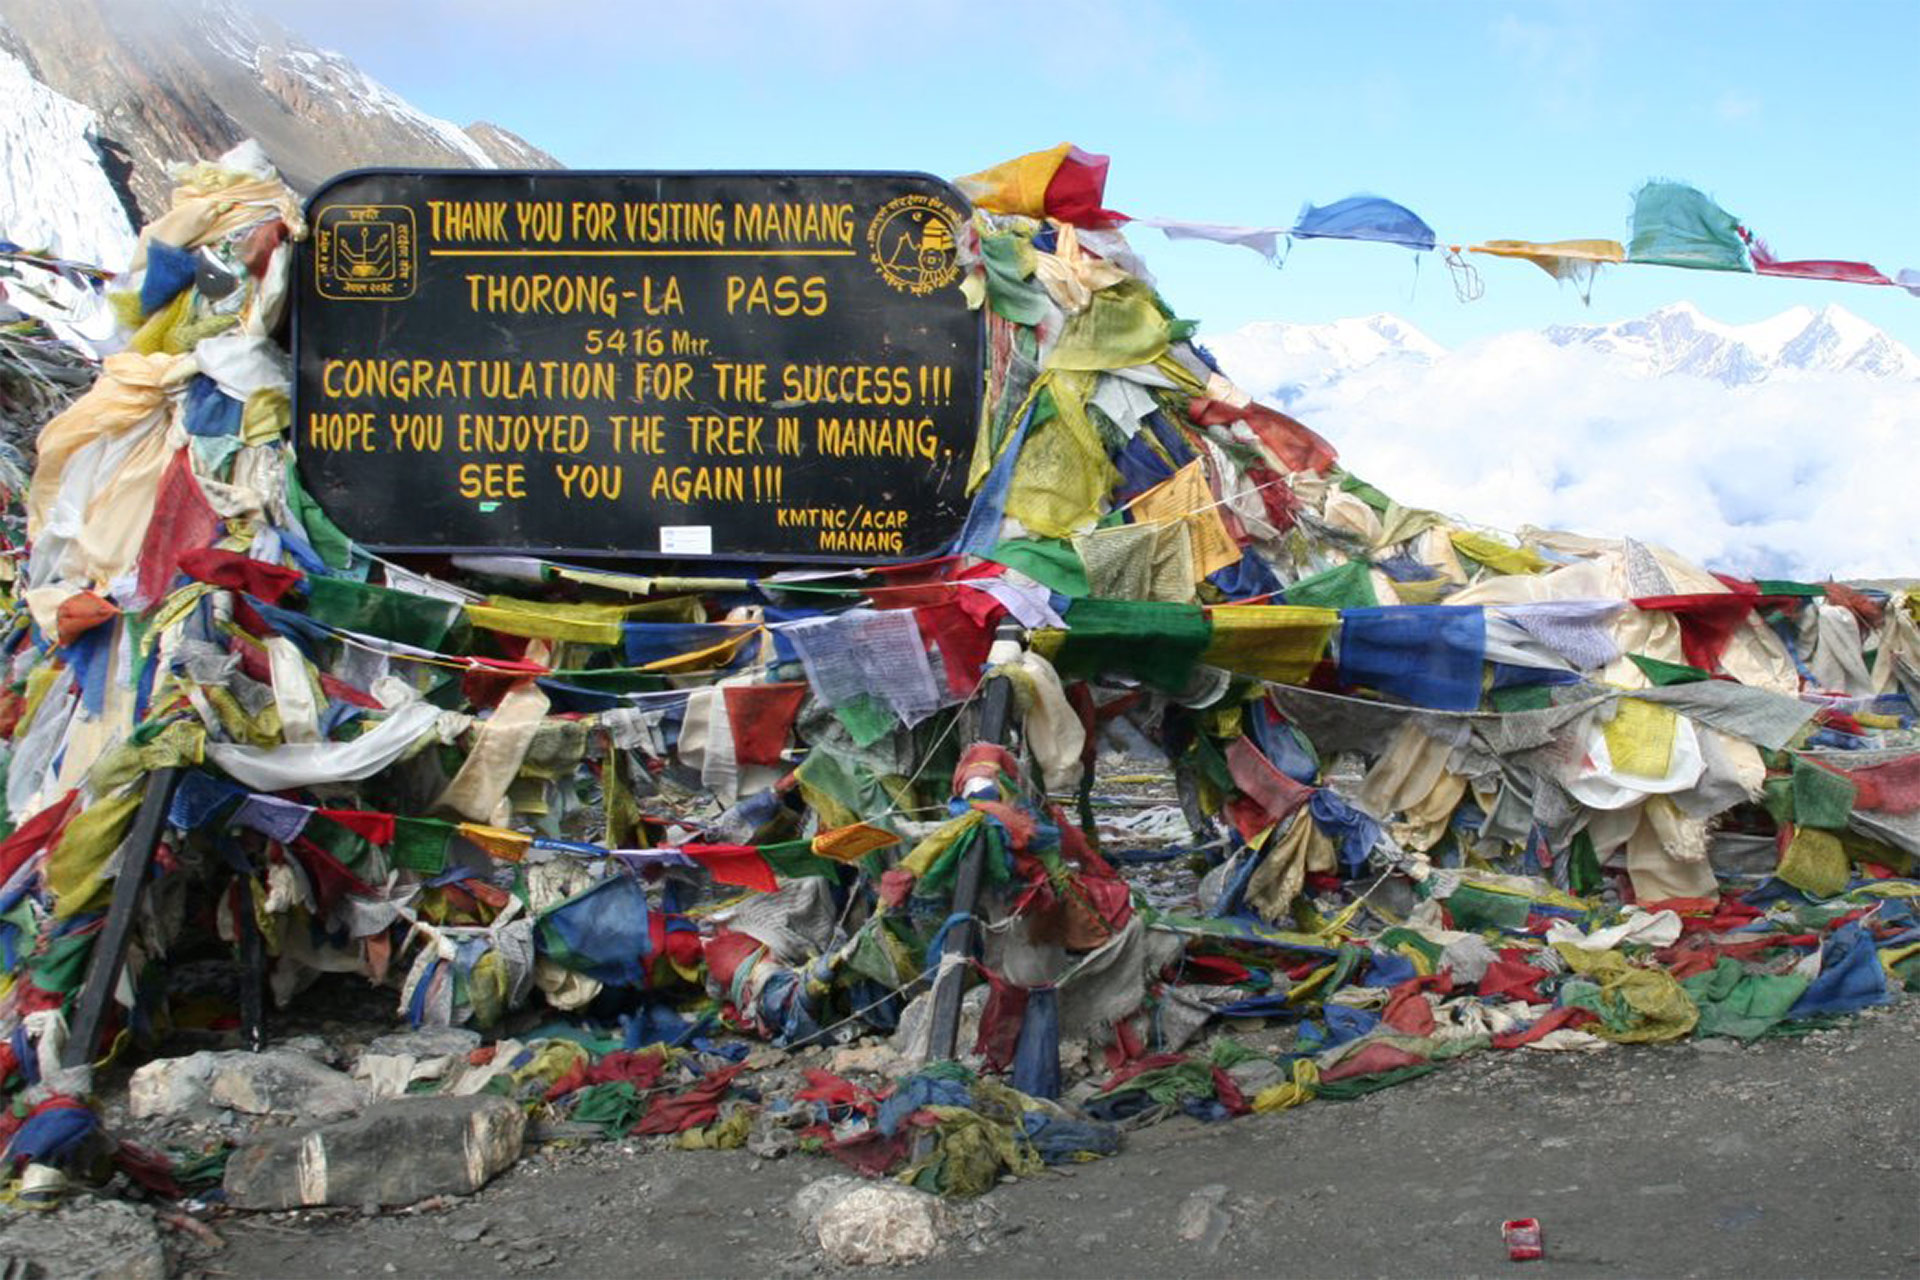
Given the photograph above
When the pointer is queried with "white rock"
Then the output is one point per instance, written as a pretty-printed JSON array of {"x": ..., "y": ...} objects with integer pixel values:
[
  {"x": 283, "y": 1084},
  {"x": 1201, "y": 1220},
  {"x": 910, "y": 1037},
  {"x": 170, "y": 1086},
  {"x": 874, "y": 1059},
  {"x": 880, "y": 1225},
  {"x": 280, "y": 1082}
]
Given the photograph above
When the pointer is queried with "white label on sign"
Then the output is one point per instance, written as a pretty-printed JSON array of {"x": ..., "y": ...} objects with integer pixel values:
[{"x": 686, "y": 540}]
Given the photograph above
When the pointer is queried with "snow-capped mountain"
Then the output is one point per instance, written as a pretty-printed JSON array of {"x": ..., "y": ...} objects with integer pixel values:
[
  {"x": 172, "y": 80},
  {"x": 1679, "y": 339},
  {"x": 54, "y": 194},
  {"x": 1285, "y": 362},
  {"x": 1295, "y": 364}
]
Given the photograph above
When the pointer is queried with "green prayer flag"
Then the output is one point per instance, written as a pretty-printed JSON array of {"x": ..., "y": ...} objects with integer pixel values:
[
  {"x": 1359, "y": 1086},
  {"x": 615, "y": 1105},
  {"x": 348, "y": 847},
  {"x": 334, "y": 547},
  {"x": 1399, "y": 936},
  {"x": 1676, "y": 226},
  {"x": 1522, "y": 697},
  {"x": 843, "y": 791},
  {"x": 1365, "y": 492},
  {"x": 1734, "y": 1002},
  {"x": 867, "y": 718},
  {"x": 1346, "y": 586},
  {"x": 1011, "y": 290},
  {"x": 1473, "y": 909},
  {"x": 1583, "y": 870},
  {"x": 377, "y": 611},
  {"x": 1821, "y": 798},
  {"x": 791, "y": 858},
  {"x": 1665, "y": 673},
  {"x": 1051, "y": 562},
  {"x": 1213, "y": 765},
  {"x": 1157, "y": 643},
  {"x": 420, "y": 844},
  {"x": 62, "y": 966}
]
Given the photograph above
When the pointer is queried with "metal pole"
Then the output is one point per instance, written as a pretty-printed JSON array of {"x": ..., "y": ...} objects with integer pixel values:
[
  {"x": 110, "y": 948},
  {"x": 996, "y": 712},
  {"x": 253, "y": 971}
]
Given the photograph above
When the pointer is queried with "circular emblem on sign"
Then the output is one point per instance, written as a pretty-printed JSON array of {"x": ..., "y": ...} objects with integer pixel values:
[{"x": 912, "y": 243}]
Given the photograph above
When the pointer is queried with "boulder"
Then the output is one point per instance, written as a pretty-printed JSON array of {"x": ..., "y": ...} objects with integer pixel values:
[
  {"x": 395, "y": 1153},
  {"x": 870, "y": 1224},
  {"x": 171, "y": 1087},
  {"x": 282, "y": 1082}
]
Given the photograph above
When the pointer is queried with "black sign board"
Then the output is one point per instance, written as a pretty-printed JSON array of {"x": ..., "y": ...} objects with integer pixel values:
[{"x": 738, "y": 365}]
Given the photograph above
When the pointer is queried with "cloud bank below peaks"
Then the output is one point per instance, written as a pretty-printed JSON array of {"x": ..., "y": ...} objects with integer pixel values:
[{"x": 1806, "y": 470}]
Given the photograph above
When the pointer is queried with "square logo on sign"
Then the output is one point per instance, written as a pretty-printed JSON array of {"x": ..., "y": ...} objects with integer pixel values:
[{"x": 365, "y": 252}]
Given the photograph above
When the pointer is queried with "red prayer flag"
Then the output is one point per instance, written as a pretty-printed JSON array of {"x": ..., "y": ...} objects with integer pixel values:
[
  {"x": 1297, "y": 445},
  {"x": 182, "y": 521},
  {"x": 1277, "y": 794},
  {"x": 40, "y": 831},
  {"x": 962, "y": 639},
  {"x": 235, "y": 572},
  {"x": 377, "y": 827},
  {"x": 1765, "y": 264},
  {"x": 1707, "y": 622},
  {"x": 690, "y": 1109},
  {"x": 1078, "y": 186},
  {"x": 1566, "y": 1016},
  {"x": 762, "y": 716},
  {"x": 332, "y": 880},
  {"x": 739, "y": 864}
]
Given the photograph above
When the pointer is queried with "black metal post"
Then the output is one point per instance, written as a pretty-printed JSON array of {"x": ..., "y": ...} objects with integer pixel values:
[
  {"x": 110, "y": 948},
  {"x": 996, "y": 713},
  {"x": 253, "y": 971}
]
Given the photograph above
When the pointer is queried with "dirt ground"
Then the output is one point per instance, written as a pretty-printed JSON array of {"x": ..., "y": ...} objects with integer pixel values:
[{"x": 1708, "y": 1158}]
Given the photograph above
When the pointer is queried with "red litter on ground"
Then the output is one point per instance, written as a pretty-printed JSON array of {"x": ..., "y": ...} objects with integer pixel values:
[{"x": 1523, "y": 1239}]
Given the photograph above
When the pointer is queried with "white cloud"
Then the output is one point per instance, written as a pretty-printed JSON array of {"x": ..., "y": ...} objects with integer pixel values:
[
  {"x": 1786, "y": 478},
  {"x": 1555, "y": 54},
  {"x": 1736, "y": 106}
]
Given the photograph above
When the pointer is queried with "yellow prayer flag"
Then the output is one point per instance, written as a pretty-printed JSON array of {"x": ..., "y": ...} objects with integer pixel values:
[
  {"x": 498, "y": 842},
  {"x": 1496, "y": 555},
  {"x": 939, "y": 840},
  {"x": 1561, "y": 259},
  {"x": 1187, "y": 498},
  {"x": 850, "y": 844},
  {"x": 1018, "y": 185},
  {"x": 1277, "y": 642},
  {"x": 1640, "y": 738},
  {"x": 707, "y": 659}
]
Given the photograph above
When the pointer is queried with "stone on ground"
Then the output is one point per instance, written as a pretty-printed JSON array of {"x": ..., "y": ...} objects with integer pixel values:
[
  {"x": 396, "y": 1153},
  {"x": 280, "y": 1082},
  {"x": 1201, "y": 1220},
  {"x": 869, "y": 1224},
  {"x": 84, "y": 1239}
]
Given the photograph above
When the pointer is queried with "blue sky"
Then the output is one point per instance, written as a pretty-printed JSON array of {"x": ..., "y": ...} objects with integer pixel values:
[{"x": 1489, "y": 120}]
